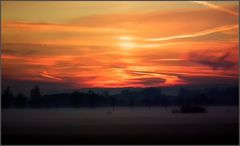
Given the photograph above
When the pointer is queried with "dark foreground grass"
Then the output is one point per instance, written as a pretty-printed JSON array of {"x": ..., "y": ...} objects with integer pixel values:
[{"x": 132, "y": 134}]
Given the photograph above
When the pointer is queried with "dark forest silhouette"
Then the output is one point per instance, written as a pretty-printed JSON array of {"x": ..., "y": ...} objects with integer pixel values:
[{"x": 147, "y": 97}]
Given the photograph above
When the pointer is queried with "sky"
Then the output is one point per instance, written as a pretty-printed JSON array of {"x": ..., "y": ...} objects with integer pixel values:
[{"x": 115, "y": 44}]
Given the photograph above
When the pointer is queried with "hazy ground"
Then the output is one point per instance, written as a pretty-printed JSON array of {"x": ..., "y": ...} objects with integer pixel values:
[{"x": 121, "y": 126}]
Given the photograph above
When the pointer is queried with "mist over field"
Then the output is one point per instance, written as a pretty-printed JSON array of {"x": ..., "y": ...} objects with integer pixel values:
[{"x": 120, "y": 126}]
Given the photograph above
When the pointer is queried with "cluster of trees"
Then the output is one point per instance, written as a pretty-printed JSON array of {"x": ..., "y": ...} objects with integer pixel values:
[
  {"x": 20, "y": 100},
  {"x": 146, "y": 97}
]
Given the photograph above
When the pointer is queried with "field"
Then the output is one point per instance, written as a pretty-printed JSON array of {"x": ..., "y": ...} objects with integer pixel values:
[{"x": 119, "y": 126}]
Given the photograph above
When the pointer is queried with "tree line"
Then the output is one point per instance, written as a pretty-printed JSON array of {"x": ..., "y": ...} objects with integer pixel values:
[{"x": 147, "y": 97}]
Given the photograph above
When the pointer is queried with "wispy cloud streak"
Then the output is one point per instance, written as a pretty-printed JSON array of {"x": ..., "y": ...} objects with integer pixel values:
[
  {"x": 216, "y": 7},
  {"x": 201, "y": 33},
  {"x": 47, "y": 75}
]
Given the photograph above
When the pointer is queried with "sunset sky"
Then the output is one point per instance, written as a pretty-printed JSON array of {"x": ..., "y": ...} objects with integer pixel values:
[{"x": 59, "y": 45}]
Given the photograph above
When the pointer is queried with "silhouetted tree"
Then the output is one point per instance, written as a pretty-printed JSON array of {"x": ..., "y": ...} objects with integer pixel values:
[
  {"x": 148, "y": 102},
  {"x": 20, "y": 101},
  {"x": 181, "y": 96},
  {"x": 131, "y": 102},
  {"x": 113, "y": 102},
  {"x": 153, "y": 95},
  {"x": 7, "y": 98},
  {"x": 105, "y": 94},
  {"x": 165, "y": 102},
  {"x": 36, "y": 98},
  {"x": 125, "y": 93},
  {"x": 56, "y": 101},
  {"x": 199, "y": 99},
  {"x": 76, "y": 99},
  {"x": 93, "y": 98}
]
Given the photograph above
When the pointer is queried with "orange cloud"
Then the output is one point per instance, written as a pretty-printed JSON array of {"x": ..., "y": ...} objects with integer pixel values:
[
  {"x": 28, "y": 26},
  {"x": 141, "y": 49}
]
